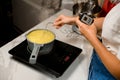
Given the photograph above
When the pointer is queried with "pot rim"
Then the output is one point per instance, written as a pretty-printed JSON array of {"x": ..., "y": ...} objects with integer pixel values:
[{"x": 40, "y": 29}]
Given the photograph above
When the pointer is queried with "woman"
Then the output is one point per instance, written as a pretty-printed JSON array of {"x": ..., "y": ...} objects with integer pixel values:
[{"x": 105, "y": 63}]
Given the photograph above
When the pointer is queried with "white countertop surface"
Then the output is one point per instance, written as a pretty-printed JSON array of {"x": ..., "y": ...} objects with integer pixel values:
[{"x": 13, "y": 70}]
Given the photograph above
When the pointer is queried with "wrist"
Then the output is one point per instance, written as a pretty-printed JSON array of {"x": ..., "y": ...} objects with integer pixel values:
[{"x": 75, "y": 20}]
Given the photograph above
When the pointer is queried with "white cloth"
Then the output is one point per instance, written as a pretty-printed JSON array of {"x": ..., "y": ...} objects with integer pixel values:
[{"x": 111, "y": 31}]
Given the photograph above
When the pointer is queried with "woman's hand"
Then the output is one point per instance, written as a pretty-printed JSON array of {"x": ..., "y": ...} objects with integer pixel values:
[
  {"x": 89, "y": 31},
  {"x": 61, "y": 20}
]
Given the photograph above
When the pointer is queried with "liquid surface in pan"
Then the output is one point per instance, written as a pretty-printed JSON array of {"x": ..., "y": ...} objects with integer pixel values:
[{"x": 40, "y": 36}]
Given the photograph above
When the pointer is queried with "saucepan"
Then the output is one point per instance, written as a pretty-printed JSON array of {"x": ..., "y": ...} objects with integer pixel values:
[{"x": 40, "y": 42}]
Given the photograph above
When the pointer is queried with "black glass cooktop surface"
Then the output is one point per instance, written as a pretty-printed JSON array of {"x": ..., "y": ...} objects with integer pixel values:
[{"x": 55, "y": 63}]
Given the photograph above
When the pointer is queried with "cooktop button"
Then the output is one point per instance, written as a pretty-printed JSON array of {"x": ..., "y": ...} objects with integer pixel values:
[{"x": 66, "y": 58}]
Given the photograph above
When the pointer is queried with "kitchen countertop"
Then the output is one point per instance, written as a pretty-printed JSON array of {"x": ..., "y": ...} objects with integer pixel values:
[{"x": 11, "y": 69}]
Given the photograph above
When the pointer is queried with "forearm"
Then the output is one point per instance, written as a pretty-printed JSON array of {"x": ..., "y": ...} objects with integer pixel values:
[
  {"x": 108, "y": 59},
  {"x": 62, "y": 19}
]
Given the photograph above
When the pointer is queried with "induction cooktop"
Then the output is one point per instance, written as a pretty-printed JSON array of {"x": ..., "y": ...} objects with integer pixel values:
[{"x": 56, "y": 62}]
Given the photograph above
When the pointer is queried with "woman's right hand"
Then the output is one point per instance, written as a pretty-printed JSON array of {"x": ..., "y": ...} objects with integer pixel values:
[{"x": 62, "y": 19}]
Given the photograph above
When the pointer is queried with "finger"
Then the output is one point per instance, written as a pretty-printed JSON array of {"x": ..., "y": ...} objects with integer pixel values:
[
  {"x": 57, "y": 27},
  {"x": 59, "y": 23},
  {"x": 58, "y": 19}
]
